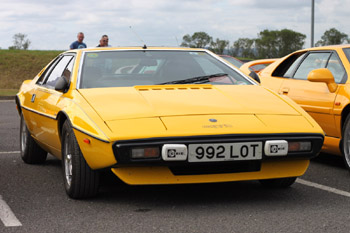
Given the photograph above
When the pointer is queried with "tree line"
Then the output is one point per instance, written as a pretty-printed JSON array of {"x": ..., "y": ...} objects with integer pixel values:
[{"x": 268, "y": 44}]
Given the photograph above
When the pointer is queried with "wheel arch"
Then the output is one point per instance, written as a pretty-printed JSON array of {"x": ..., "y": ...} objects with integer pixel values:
[
  {"x": 61, "y": 118},
  {"x": 344, "y": 115},
  {"x": 18, "y": 105}
]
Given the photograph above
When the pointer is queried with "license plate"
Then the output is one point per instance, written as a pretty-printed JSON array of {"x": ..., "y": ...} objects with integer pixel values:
[{"x": 224, "y": 152}]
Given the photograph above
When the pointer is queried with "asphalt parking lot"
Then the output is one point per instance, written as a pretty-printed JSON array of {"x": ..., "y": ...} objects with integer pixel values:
[{"x": 32, "y": 199}]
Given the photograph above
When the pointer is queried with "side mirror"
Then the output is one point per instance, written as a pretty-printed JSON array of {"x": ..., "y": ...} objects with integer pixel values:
[
  {"x": 325, "y": 76},
  {"x": 62, "y": 84},
  {"x": 255, "y": 76}
]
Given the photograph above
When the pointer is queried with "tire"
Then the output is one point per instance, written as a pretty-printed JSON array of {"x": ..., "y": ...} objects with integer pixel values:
[
  {"x": 345, "y": 145},
  {"x": 278, "y": 183},
  {"x": 31, "y": 152},
  {"x": 80, "y": 181}
]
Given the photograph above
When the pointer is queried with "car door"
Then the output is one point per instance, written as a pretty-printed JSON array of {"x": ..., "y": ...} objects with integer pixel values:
[
  {"x": 314, "y": 97},
  {"x": 45, "y": 99}
]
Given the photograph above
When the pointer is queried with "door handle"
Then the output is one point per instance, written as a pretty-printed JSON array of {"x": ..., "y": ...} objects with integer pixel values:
[
  {"x": 33, "y": 98},
  {"x": 284, "y": 90}
]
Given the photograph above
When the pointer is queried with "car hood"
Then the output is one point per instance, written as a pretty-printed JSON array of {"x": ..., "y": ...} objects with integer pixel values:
[
  {"x": 185, "y": 110},
  {"x": 184, "y": 100}
]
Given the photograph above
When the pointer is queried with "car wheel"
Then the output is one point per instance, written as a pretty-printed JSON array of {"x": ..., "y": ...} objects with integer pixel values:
[
  {"x": 346, "y": 142},
  {"x": 80, "y": 180},
  {"x": 31, "y": 152},
  {"x": 278, "y": 183}
]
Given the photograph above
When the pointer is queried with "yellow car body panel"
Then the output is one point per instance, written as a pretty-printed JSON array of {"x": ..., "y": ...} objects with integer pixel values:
[
  {"x": 162, "y": 175},
  {"x": 107, "y": 118},
  {"x": 246, "y": 67},
  {"x": 328, "y": 108}
]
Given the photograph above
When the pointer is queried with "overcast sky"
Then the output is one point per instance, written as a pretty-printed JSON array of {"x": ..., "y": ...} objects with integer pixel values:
[{"x": 53, "y": 25}]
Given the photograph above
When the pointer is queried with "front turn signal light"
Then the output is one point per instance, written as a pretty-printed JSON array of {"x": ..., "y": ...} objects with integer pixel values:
[
  {"x": 144, "y": 153},
  {"x": 299, "y": 146}
]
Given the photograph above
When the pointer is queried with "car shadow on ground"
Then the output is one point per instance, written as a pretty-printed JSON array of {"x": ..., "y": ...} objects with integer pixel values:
[
  {"x": 145, "y": 197},
  {"x": 113, "y": 190},
  {"x": 330, "y": 160}
]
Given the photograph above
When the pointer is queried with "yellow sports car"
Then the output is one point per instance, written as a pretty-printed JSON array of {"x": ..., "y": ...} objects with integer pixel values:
[
  {"x": 161, "y": 116},
  {"x": 317, "y": 79}
]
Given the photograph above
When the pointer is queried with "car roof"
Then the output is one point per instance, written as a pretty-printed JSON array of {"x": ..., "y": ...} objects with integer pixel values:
[{"x": 328, "y": 47}]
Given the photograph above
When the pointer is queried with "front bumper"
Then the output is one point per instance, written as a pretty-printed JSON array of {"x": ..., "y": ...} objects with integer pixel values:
[{"x": 158, "y": 171}]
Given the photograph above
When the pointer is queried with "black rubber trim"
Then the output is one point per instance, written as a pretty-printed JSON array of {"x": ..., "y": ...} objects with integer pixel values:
[
  {"x": 217, "y": 168},
  {"x": 39, "y": 113},
  {"x": 55, "y": 118},
  {"x": 90, "y": 135}
]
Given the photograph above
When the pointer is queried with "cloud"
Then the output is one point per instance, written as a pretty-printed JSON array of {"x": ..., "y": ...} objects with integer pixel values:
[{"x": 54, "y": 24}]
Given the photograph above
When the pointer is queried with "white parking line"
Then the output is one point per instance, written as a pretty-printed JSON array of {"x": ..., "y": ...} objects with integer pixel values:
[
  {"x": 323, "y": 187},
  {"x": 9, "y": 152},
  {"x": 7, "y": 216}
]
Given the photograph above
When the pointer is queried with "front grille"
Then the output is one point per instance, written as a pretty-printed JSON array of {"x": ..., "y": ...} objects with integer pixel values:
[{"x": 210, "y": 168}]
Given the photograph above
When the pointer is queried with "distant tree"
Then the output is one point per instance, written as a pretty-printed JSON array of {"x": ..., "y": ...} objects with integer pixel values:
[
  {"x": 219, "y": 46},
  {"x": 271, "y": 44},
  {"x": 20, "y": 41},
  {"x": 197, "y": 40},
  {"x": 243, "y": 47},
  {"x": 332, "y": 37}
]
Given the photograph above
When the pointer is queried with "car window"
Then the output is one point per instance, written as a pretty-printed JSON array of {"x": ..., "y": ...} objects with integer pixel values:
[
  {"x": 130, "y": 68},
  {"x": 58, "y": 71},
  {"x": 289, "y": 73},
  {"x": 335, "y": 66},
  {"x": 233, "y": 61},
  {"x": 48, "y": 70},
  {"x": 68, "y": 70},
  {"x": 311, "y": 62},
  {"x": 347, "y": 53},
  {"x": 285, "y": 66}
]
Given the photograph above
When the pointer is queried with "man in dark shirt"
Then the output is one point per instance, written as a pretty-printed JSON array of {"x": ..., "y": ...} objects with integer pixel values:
[
  {"x": 79, "y": 43},
  {"x": 104, "y": 42}
]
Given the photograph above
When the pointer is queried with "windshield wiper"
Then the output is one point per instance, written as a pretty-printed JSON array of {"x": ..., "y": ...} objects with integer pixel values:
[{"x": 199, "y": 79}]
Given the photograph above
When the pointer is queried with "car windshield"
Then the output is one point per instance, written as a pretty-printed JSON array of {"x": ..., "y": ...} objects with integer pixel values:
[
  {"x": 155, "y": 67},
  {"x": 347, "y": 53},
  {"x": 233, "y": 61}
]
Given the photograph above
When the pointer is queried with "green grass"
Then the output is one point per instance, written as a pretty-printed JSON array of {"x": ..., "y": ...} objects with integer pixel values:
[
  {"x": 19, "y": 65},
  {"x": 8, "y": 92}
]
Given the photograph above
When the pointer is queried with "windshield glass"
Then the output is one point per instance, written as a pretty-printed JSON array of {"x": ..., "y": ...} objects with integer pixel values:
[
  {"x": 233, "y": 61},
  {"x": 130, "y": 68},
  {"x": 347, "y": 53}
]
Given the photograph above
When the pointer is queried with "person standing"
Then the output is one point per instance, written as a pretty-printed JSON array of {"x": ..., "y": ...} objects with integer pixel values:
[
  {"x": 104, "y": 42},
  {"x": 79, "y": 44}
]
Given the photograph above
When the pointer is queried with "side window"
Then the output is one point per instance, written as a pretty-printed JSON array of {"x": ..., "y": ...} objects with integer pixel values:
[
  {"x": 57, "y": 71},
  {"x": 48, "y": 70},
  {"x": 289, "y": 73},
  {"x": 288, "y": 66},
  {"x": 336, "y": 67},
  {"x": 311, "y": 62},
  {"x": 68, "y": 70}
]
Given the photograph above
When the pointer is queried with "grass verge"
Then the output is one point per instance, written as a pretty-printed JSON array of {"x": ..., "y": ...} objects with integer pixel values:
[
  {"x": 8, "y": 92},
  {"x": 19, "y": 65}
]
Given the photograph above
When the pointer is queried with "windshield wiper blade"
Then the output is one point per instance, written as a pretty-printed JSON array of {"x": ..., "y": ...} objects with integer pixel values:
[{"x": 199, "y": 79}]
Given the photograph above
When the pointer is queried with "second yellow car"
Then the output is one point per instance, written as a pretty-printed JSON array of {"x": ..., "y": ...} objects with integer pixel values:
[{"x": 317, "y": 79}]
